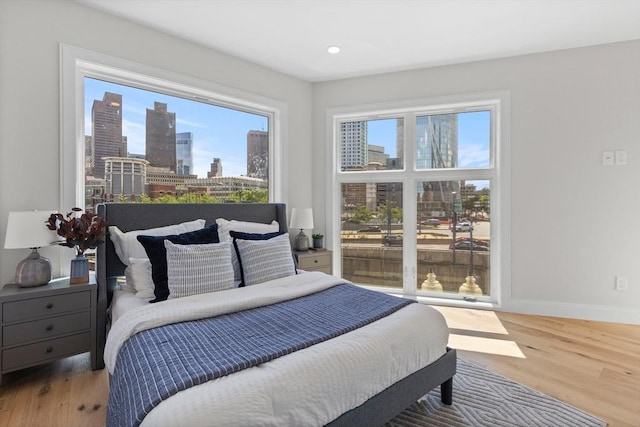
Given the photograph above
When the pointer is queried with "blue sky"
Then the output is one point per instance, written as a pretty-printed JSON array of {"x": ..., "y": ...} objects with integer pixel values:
[{"x": 222, "y": 132}]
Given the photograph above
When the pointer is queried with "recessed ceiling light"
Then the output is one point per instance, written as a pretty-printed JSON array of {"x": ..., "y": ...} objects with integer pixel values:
[{"x": 333, "y": 49}]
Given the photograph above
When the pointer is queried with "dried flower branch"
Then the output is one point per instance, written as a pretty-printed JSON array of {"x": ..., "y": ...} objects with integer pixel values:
[{"x": 80, "y": 232}]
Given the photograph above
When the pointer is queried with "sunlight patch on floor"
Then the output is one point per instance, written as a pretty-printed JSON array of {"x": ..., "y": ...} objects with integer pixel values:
[
  {"x": 484, "y": 321},
  {"x": 480, "y": 331},
  {"x": 485, "y": 345}
]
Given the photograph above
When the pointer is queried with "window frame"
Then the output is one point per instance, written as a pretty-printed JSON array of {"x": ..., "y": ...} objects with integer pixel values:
[
  {"x": 498, "y": 172},
  {"x": 77, "y": 63}
]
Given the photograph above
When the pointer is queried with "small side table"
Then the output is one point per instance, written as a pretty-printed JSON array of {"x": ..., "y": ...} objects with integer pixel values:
[
  {"x": 315, "y": 261},
  {"x": 42, "y": 324}
]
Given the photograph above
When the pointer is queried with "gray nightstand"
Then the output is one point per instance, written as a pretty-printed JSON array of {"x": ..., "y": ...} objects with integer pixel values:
[
  {"x": 315, "y": 261},
  {"x": 42, "y": 324}
]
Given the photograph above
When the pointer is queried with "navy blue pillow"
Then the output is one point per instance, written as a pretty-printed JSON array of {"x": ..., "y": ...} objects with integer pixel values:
[
  {"x": 157, "y": 253},
  {"x": 249, "y": 236}
]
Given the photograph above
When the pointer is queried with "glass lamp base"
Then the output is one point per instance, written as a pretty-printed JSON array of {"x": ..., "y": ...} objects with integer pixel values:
[{"x": 34, "y": 270}]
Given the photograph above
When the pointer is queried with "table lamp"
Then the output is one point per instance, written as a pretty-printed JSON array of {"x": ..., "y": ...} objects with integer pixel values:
[
  {"x": 27, "y": 230},
  {"x": 301, "y": 218}
]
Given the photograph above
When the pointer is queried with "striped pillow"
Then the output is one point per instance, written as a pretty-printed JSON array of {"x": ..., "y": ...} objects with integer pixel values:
[
  {"x": 263, "y": 260},
  {"x": 237, "y": 270},
  {"x": 197, "y": 269}
]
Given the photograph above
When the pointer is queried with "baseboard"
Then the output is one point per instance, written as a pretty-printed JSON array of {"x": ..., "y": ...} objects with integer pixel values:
[{"x": 573, "y": 311}]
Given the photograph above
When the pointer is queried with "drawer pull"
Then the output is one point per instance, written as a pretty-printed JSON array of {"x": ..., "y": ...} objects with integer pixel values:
[
  {"x": 50, "y": 305},
  {"x": 315, "y": 260},
  {"x": 49, "y": 349},
  {"x": 49, "y": 327}
]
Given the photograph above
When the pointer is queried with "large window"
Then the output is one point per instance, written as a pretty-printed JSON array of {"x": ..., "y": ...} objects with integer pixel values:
[
  {"x": 418, "y": 209},
  {"x": 132, "y": 133},
  {"x": 145, "y": 146}
]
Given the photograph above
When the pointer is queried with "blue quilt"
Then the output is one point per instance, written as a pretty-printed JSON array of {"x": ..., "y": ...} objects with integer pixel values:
[{"x": 157, "y": 363}]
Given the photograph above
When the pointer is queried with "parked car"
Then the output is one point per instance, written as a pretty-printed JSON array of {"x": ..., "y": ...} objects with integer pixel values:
[
  {"x": 431, "y": 221},
  {"x": 392, "y": 240},
  {"x": 465, "y": 245},
  {"x": 370, "y": 229},
  {"x": 463, "y": 226}
]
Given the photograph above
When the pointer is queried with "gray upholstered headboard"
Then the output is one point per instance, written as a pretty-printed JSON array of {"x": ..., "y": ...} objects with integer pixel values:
[{"x": 132, "y": 216}]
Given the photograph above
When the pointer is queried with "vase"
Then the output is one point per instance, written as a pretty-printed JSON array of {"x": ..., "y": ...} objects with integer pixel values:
[
  {"x": 317, "y": 243},
  {"x": 79, "y": 270}
]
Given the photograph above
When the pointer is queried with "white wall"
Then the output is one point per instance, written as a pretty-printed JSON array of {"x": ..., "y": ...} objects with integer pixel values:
[
  {"x": 575, "y": 223},
  {"x": 30, "y": 37}
]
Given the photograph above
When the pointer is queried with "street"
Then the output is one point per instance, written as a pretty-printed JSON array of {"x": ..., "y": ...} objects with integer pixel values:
[{"x": 430, "y": 235}]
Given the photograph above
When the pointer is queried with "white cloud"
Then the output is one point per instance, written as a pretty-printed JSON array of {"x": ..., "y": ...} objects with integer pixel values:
[
  {"x": 190, "y": 124},
  {"x": 470, "y": 155},
  {"x": 136, "y": 136}
]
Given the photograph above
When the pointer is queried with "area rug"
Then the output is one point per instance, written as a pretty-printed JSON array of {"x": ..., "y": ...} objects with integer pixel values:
[{"x": 483, "y": 398}]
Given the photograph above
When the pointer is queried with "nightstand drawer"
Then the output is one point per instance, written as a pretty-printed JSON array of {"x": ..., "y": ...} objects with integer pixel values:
[
  {"x": 326, "y": 270},
  {"x": 314, "y": 261},
  {"x": 45, "y": 328},
  {"x": 45, "y": 350},
  {"x": 45, "y": 306}
]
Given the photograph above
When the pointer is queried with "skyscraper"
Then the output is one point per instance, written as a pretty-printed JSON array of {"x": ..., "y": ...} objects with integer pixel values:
[
  {"x": 437, "y": 148},
  {"x": 376, "y": 154},
  {"x": 216, "y": 168},
  {"x": 258, "y": 154},
  {"x": 353, "y": 145},
  {"x": 106, "y": 125},
  {"x": 161, "y": 137},
  {"x": 184, "y": 153},
  {"x": 437, "y": 141}
]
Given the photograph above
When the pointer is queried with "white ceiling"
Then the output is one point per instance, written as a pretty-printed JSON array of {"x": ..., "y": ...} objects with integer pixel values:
[{"x": 378, "y": 36}]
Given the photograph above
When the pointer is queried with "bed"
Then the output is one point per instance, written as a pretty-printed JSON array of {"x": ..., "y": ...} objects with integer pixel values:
[{"x": 362, "y": 377}]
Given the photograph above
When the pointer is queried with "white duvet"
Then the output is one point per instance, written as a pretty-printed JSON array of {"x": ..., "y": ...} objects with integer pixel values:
[{"x": 310, "y": 387}]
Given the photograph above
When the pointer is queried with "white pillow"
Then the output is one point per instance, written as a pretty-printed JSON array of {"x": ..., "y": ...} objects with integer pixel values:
[
  {"x": 224, "y": 226},
  {"x": 263, "y": 260},
  {"x": 127, "y": 246},
  {"x": 139, "y": 279},
  {"x": 197, "y": 269}
]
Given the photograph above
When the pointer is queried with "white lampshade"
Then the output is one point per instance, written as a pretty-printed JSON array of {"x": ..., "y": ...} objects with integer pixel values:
[
  {"x": 27, "y": 229},
  {"x": 301, "y": 218}
]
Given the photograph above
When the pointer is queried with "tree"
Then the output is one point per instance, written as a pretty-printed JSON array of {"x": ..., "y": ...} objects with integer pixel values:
[
  {"x": 484, "y": 203},
  {"x": 469, "y": 205},
  {"x": 396, "y": 214},
  {"x": 167, "y": 198},
  {"x": 390, "y": 212},
  {"x": 249, "y": 195},
  {"x": 362, "y": 214}
]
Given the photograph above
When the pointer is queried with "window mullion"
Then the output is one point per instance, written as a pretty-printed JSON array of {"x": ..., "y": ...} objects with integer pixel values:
[{"x": 409, "y": 142}]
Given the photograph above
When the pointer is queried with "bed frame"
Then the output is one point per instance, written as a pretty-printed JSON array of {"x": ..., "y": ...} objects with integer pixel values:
[{"x": 127, "y": 217}]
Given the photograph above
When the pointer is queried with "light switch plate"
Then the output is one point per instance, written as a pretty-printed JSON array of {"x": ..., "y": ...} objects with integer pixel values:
[{"x": 607, "y": 158}]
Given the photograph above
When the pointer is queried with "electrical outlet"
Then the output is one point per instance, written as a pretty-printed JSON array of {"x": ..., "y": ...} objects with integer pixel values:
[
  {"x": 620, "y": 158},
  {"x": 622, "y": 283},
  {"x": 607, "y": 158}
]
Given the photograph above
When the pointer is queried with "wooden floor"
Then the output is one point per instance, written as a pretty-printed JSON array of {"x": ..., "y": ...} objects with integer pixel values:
[{"x": 594, "y": 366}]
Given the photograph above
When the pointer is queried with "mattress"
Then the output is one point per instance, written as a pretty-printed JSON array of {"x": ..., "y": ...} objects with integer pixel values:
[
  {"x": 312, "y": 386},
  {"x": 123, "y": 301}
]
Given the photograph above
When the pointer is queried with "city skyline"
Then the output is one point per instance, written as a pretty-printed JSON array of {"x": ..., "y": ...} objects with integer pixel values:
[{"x": 227, "y": 141}]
